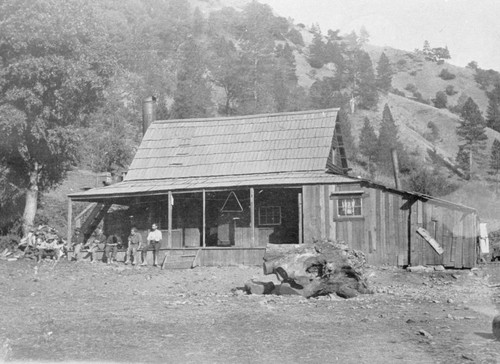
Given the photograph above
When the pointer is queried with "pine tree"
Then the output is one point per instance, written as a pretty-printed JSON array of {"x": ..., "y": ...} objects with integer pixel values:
[
  {"x": 387, "y": 139},
  {"x": 192, "y": 98},
  {"x": 493, "y": 115},
  {"x": 493, "y": 110},
  {"x": 365, "y": 85},
  {"x": 384, "y": 73},
  {"x": 495, "y": 161},
  {"x": 317, "y": 51},
  {"x": 471, "y": 132},
  {"x": 368, "y": 144}
]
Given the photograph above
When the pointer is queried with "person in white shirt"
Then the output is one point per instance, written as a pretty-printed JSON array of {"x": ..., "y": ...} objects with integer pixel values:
[{"x": 153, "y": 239}]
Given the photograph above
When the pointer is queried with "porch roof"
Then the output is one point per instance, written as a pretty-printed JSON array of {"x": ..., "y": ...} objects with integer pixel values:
[{"x": 161, "y": 186}]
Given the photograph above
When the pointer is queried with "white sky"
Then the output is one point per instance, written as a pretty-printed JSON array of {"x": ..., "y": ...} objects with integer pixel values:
[{"x": 470, "y": 28}]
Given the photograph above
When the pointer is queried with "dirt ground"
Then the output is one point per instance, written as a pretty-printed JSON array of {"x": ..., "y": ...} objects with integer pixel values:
[{"x": 82, "y": 312}]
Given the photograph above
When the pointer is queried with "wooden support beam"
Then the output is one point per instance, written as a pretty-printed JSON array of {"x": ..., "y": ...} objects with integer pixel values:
[
  {"x": 170, "y": 205},
  {"x": 300, "y": 219},
  {"x": 432, "y": 242},
  {"x": 70, "y": 220},
  {"x": 204, "y": 233},
  {"x": 252, "y": 214}
]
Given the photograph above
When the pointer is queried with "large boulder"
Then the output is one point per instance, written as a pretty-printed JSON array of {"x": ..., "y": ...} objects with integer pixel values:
[{"x": 321, "y": 268}]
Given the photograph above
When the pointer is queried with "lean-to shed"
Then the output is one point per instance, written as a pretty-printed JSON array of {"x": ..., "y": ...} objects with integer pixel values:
[{"x": 228, "y": 187}]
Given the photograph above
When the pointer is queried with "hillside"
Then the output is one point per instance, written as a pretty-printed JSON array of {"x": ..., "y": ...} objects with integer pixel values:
[{"x": 205, "y": 58}]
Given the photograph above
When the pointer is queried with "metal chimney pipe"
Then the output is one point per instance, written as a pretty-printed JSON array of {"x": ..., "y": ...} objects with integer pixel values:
[
  {"x": 148, "y": 112},
  {"x": 395, "y": 166}
]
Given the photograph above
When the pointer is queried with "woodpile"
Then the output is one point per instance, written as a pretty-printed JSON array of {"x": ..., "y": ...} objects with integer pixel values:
[{"x": 311, "y": 270}]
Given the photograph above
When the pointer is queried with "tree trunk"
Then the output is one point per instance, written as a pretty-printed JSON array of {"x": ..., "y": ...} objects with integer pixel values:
[
  {"x": 30, "y": 206},
  {"x": 470, "y": 163}
]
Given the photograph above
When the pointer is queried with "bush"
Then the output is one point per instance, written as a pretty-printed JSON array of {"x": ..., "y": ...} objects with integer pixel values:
[
  {"x": 398, "y": 92},
  {"x": 411, "y": 87},
  {"x": 431, "y": 182},
  {"x": 413, "y": 73},
  {"x": 446, "y": 75},
  {"x": 401, "y": 64},
  {"x": 295, "y": 37},
  {"x": 450, "y": 90},
  {"x": 433, "y": 134},
  {"x": 441, "y": 100},
  {"x": 8, "y": 241}
]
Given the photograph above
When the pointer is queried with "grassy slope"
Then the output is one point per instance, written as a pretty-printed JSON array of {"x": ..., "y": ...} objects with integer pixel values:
[{"x": 411, "y": 116}]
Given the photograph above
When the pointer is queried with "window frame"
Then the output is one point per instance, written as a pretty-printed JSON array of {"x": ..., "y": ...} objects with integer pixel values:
[
  {"x": 355, "y": 206},
  {"x": 337, "y": 196},
  {"x": 270, "y": 223}
]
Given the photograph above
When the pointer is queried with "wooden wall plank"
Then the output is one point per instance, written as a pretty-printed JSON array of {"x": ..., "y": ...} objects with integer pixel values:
[{"x": 326, "y": 210}]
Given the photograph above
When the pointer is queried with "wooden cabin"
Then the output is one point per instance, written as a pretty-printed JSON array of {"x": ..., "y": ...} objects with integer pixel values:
[{"x": 225, "y": 188}]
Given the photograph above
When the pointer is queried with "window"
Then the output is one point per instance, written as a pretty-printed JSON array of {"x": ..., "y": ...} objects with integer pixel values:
[
  {"x": 349, "y": 206},
  {"x": 270, "y": 215}
]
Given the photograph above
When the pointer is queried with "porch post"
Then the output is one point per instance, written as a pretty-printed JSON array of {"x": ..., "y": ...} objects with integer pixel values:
[
  {"x": 300, "y": 219},
  {"x": 169, "y": 234},
  {"x": 204, "y": 218},
  {"x": 70, "y": 220},
  {"x": 252, "y": 214}
]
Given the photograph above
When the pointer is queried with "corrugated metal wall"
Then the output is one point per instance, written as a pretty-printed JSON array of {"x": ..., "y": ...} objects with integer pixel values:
[{"x": 387, "y": 228}]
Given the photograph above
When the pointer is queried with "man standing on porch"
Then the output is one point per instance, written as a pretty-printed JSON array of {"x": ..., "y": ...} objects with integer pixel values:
[{"x": 153, "y": 239}]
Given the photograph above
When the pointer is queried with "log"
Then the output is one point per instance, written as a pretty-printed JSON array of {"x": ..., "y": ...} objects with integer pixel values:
[
  {"x": 317, "y": 269},
  {"x": 254, "y": 287}
]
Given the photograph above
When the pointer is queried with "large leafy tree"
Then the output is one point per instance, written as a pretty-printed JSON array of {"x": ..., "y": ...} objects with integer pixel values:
[
  {"x": 55, "y": 65},
  {"x": 472, "y": 133}
]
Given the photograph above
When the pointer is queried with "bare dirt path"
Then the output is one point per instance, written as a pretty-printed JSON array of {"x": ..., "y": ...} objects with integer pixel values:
[{"x": 95, "y": 312}]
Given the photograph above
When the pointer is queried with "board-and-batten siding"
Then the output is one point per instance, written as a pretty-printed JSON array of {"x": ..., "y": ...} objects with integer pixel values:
[{"x": 389, "y": 224}]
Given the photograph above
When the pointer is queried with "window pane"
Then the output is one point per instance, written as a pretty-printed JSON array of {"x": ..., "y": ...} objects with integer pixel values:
[{"x": 349, "y": 206}]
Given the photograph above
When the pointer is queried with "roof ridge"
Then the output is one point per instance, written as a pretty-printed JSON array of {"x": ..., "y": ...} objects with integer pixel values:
[{"x": 253, "y": 116}]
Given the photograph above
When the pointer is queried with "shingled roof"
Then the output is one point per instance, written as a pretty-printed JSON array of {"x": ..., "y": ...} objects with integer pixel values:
[{"x": 204, "y": 153}]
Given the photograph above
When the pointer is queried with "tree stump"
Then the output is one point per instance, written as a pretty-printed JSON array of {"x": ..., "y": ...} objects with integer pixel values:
[{"x": 317, "y": 269}]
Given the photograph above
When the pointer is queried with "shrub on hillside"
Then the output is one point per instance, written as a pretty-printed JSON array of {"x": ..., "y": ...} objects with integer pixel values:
[
  {"x": 433, "y": 133},
  {"x": 441, "y": 100},
  {"x": 401, "y": 64},
  {"x": 295, "y": 37},
  {"x": 413, "y": 73},
  {"x": 398, "y": 92},
  {"x": 450, "y": 90},
  {"x": 446, "y": 75},
  {"x": 429, "y": 181},
  {"x": 411, "y": 87}
]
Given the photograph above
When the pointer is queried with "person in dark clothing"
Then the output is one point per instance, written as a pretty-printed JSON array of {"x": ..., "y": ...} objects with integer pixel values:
[{"x": 111, "y": 248}]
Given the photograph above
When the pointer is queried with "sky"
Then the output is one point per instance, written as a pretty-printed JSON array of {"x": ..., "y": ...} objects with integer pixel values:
[{"x": 469, "y": 28}]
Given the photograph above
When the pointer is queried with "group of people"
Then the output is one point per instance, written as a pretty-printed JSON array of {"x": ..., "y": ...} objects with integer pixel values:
[
  {"x": 110, "y": 244},
  {"x": 42, "y": 242}
]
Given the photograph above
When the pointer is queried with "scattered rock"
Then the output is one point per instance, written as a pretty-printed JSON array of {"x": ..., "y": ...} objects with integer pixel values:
[
  {"x": 439, "y": 268},
  {"x": 425, "y": 333}
]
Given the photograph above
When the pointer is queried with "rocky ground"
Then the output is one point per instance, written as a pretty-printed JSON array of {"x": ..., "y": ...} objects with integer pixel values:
[{"x": 115, "y": 313}]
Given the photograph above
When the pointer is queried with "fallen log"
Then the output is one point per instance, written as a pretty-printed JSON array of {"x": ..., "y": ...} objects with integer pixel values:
[{"x": 321, "y": 268}]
